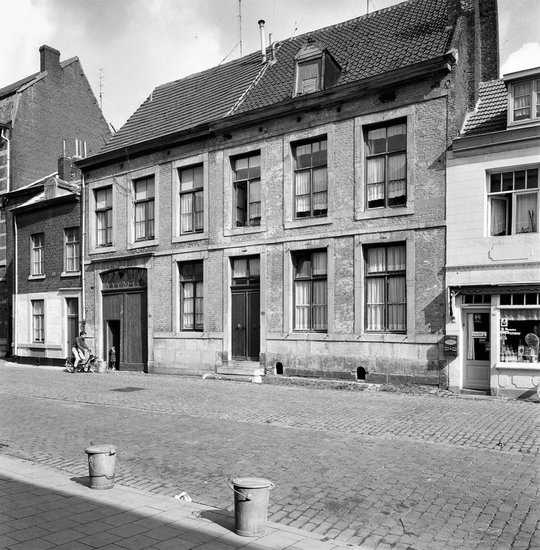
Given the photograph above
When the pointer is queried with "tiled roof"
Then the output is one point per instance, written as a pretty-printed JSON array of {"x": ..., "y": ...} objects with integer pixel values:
[
  {"x": 490, "y": 112},
  {"x": 393, "y": 38}
]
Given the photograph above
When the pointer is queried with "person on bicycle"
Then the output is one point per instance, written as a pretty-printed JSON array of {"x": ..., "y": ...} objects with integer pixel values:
[{"x": 79, "y": 350}]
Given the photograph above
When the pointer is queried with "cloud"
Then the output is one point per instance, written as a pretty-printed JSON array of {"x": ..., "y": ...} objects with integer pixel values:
[{"x": 527, "y": 57}]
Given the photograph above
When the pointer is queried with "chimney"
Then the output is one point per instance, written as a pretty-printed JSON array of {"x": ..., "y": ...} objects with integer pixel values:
[
  {"x": 486, "y": 40},
  {"x": 263, "y": 41},
  {"x": 64, "y": 164},
  {"x": 49, "y": 60}
]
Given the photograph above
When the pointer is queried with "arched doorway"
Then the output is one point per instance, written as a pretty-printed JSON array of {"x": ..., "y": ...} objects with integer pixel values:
[{"x": 124, "y": 298}]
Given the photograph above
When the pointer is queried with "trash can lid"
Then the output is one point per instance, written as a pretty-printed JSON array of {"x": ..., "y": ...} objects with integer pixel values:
[
  {"x": 251, "y": 482},
  {"x": 101, "y": 449}
]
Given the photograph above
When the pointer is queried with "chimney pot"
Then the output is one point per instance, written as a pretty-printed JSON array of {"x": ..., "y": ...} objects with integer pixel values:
[{"x": 263, "y": 40}]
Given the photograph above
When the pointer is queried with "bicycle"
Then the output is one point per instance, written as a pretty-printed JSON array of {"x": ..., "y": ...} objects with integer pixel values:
[{"x": 83, "y": 366}]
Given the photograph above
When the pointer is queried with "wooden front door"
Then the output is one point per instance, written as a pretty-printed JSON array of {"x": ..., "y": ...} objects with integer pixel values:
[
  {"x": 478, "y": 349},
  {"x": 125, "y": 318},
  {"x": 72, "y": 308},
  {"x": 246, "y": 325}
]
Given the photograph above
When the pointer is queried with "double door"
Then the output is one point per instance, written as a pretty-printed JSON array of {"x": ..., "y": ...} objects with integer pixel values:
[{"x": 246, "y": 324}]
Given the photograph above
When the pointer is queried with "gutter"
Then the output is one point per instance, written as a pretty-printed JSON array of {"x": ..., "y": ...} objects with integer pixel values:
[
  {"x": 298, "y": 104},
  {"x": 3, "y": 135}
]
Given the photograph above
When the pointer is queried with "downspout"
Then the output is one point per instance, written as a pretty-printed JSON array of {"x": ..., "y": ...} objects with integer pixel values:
[
  {"x": 83, "y": 241},
  {"x": 15, "y": 286},
  {"x": 8, "y": 159}
]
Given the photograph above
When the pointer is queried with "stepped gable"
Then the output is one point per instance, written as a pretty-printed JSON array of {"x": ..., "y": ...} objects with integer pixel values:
[
  {"x": 389, "y": 39},
  {"x": 490, "y": 114}
]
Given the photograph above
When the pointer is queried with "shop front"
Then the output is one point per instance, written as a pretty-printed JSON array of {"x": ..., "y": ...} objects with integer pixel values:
[{"x": 498, "y": 329}]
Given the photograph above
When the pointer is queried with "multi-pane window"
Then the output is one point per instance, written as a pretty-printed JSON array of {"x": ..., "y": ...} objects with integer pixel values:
[
  {"x": 144, "y": 190},
  {"x": 191, "y": 199},
  {"x": 104, "y": 216},
  {"x": 38, "y": 321},
  {"x": 386, "y": 305},
  {"x": 247, "y": 189},
  {"x": 310, "y": 179},
  {"x": 72, "y": 250},
  {"x": 386, "y": 166},
  {"x": 246, "y": 271},
  {"x": 191, "y": 295},
  {"x": 310, "y": 291},
  {"x": 38, "y": 247},
  {"x": 513, "y": 199},
  {"x": 526, "y": 100}
]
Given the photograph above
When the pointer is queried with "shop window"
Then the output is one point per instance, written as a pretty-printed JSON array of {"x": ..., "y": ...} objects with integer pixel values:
[
  {"x": 474, "y": 299},
  {"x": 520, "y": 336},
  {"x": 521, "y": 299}
]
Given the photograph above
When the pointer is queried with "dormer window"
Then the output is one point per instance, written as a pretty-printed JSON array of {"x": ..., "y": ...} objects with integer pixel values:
[
  {"x": 524, "y": 96},
  {"x": 315, "y": 70}
]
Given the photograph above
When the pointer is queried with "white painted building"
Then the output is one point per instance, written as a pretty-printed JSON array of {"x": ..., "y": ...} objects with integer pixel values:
[{"x": 493, "y": 241}]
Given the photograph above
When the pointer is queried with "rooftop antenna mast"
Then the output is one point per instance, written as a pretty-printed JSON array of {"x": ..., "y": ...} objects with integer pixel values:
[
  {"x": 100, "y": 88},
  {"x": 367, "y": 7},
  {"x": 240, "y": 25}
]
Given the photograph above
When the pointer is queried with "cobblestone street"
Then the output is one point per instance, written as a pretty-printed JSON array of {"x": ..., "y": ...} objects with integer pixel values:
[{"x": 377, "y": 469}]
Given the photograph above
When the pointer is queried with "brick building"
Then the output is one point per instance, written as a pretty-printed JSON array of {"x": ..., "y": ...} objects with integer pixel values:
[
  {"x": 286, "y": 211},
  {"x": 37, "y": 114},
  {"x": 44, "y": 256},
  {"x": 493, "y": 271}
]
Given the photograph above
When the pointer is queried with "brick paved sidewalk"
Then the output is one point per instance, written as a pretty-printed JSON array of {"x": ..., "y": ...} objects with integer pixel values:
[{"x": 43, "y": 508}]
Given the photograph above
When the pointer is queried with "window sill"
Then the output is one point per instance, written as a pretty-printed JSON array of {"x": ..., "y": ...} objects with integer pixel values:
[
  {"x": 523, "y": 123},
  {"x": 36, "y": 277},
  {"x": 142, "y": 244},
  {"x": 517, "y": 366},
  {"x": 102, "y": 250},
  {"x": 244, "y": 230},
  {"x": 383, "y": 213},
  {"x": 190, "y": 237},
  {"x": 308, "y": 222},
  {"x": 70, "y": 274}
]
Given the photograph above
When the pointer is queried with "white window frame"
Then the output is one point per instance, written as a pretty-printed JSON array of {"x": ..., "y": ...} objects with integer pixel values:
[
  {"x": 38, "y": 322},
  {"x": 177, "y": 235},
  {"x": 37, "y": 265},
  {"x": 96, "y": 213},
  {"x": 146, "y": 201},
  {"x": 72, "y": 246},
  {"x": 534, "y": 100}
]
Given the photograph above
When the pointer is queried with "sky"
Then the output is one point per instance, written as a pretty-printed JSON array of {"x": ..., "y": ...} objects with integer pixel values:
[{"x": 128, "y": 47}]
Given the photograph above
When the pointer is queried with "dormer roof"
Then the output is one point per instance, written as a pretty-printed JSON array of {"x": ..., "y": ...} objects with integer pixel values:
[{"x": 491, "y": 109}]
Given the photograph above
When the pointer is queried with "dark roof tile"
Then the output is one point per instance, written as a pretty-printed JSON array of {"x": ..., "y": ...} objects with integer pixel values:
[{"x": 491, "y": 109}]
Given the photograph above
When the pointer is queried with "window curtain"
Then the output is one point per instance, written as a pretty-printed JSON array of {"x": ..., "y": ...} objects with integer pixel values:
[
  {"x": 319, "y": 189},
  {"x": 396, "y": 258},
  {"x": 302, "y": 301},
  {"x": 376, "y": 260},
  {"x": 188, "y": 308},
  {"x": 526, "y": 212},
  {"x": 254, "y": 199},
  {"x": 199, "y": 305},
  {"x": 522, "y": 101},
  {"x": 375, "y": 304},
  {"x": 186, "y": 213},
  {"x": 396, "y": 303},
  {"x": 318, "y": 260},
  {"x": 319, "y": 305},
  {"x": 240, "y": 268},
  {"x": 375, "y": 179},
  {"x": 498, "y": 216},
  {"x": 199, "y": 211},
  {"x": 397, "y": 178},
  {"x": 302, "y": 192}
]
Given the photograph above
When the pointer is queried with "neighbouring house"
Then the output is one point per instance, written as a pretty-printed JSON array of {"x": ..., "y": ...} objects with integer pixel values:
[
  {"x": 285, "y": 212},
  {"x": 44, "y": 256},
  {"x": 493, "y": 271},
  {"x": 37, "y": 114}
]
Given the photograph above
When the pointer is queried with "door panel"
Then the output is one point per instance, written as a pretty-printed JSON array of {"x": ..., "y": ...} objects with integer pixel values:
[
  {"x": 478, "y": 347},
  {"x": 238, "y": 324},
  {"x": 253, "y": 323}
]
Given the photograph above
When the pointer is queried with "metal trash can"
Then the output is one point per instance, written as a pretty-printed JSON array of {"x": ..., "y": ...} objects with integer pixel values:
[
  {"x": 101, "y": 466},
  {"x": 251, "y": 496}
]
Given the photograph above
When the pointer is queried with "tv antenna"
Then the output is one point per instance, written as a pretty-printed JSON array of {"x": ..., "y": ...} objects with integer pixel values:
[
  {"x": 240, "y": 25},
  {"x": 100, "y": 88}
]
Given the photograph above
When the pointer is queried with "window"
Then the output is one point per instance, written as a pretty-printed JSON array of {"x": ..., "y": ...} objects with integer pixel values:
[
  {"x": 246, "y": 271},
  {"x": 247, "y": 189},
  {"x": 191, "y": 295},
  {"x": 513, "y": 199},
  {"x": 386, "y": 306},
  {"x": 38, "y": 264},
  {"x": 310, "y": 291},
  {"x": 104, "y": 218},
  {"x": 191, "y": 199},
  {"x": 308, "y": 76},
  {"x": 72, "y": 250},
  {"x": 386, "y": 166},
  {"x": 310, "y": 179},
  {"x": 472, "y": 299},
  {"x": 38, "y": 321},
  {"x": 144, "y": 208},
  {"x": 525, "y": 100}
]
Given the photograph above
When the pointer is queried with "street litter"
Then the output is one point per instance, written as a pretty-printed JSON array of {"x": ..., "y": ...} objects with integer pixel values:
[{"x": 183, "y": 496}]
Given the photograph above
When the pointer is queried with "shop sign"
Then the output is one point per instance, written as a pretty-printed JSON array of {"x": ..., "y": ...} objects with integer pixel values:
[
  {"x": 479, "y": 334},
  {"x": 451, "y": 345}
]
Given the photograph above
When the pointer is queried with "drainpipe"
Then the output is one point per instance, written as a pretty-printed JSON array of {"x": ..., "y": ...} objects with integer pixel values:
[
  {"x": 15, "y": 285},
  {"x": 83, "y": 241},
  {"x": 3, "y": 135}
]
